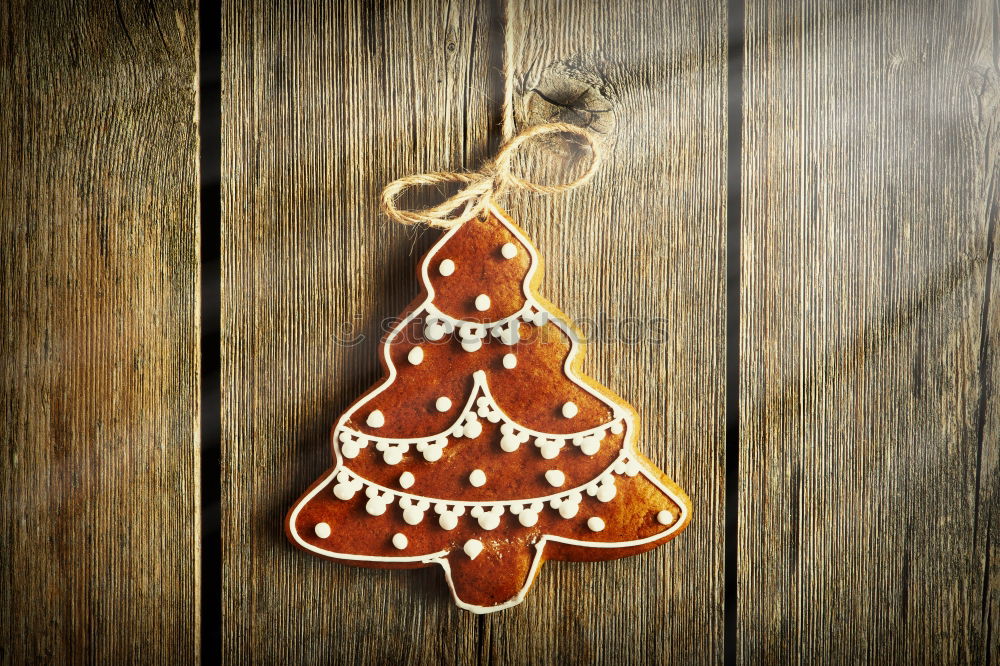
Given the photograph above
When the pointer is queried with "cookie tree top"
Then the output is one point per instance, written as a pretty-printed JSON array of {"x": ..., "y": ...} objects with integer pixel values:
[{"x": 483, "y": 449}]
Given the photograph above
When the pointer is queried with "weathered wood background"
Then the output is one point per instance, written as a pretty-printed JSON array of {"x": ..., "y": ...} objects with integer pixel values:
[
  {"x": 870, "y": 425},
  {"x": 324, "y": 105},
  {"x": 870, "y": 333},
  {"x": 99, "y": 343}
]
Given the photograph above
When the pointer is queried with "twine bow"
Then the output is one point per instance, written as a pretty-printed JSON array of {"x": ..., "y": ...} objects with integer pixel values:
[{"x": 488, "y": 183}]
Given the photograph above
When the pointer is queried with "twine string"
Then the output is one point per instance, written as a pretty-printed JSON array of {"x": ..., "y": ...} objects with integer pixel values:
[
  {"x": 507, "y": 105},
  {"x": 496, "y": 176},
  {"x": 490, "y": 182}
]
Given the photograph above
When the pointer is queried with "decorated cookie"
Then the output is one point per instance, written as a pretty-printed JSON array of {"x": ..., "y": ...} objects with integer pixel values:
[{"x": 483, "y": 449}]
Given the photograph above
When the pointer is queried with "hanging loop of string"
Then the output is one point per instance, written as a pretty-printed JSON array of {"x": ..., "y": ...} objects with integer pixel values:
[{"x": 495, "y": 178}]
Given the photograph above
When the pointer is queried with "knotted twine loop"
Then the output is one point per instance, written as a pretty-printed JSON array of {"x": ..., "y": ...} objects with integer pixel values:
[{"x": 490, "y": 182}]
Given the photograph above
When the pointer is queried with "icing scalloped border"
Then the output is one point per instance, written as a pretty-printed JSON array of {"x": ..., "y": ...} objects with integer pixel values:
[
  {"x": 441, "y": 557},
  {"x": 561, "y": 495},
  {"x": 470, "y": 412}
]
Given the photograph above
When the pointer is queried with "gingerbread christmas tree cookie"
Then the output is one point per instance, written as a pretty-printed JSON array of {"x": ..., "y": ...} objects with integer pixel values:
[{"x": 483, "y": 449}]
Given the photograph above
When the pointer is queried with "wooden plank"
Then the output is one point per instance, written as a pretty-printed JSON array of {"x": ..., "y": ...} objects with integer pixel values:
[
  {"x": 638, "y": 259},
  {"x": 870, "y": 329},
  {"x": 323, "y": 104},
  {"x": 99, "y": 260}
]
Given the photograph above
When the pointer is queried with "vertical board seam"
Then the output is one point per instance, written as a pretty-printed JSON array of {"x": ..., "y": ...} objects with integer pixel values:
[
  {"x": 209, "y": 162},
  {"x": 735, "y": 62}
]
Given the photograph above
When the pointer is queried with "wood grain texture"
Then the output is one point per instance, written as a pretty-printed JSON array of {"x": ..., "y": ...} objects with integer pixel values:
[
  {"x": 637, "y": 259},
  {"x": 323, "y": 103},
  {"x": 322, "y": 106},
  {"x": 99, "y": 397},
  {"x": 870, "y": 330}
]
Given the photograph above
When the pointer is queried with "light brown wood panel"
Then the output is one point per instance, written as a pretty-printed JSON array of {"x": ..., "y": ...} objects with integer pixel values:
[
  {"x": 322, "y": 107},
  {"x": 324, "y": 103},
  {"x": 637, "y": 258},
  {"x": 870, "y": 329},
  {"x": 99, "y": 343}
]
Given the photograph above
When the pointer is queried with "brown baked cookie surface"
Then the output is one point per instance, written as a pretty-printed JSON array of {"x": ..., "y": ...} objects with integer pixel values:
[{"x": 483, "y": 449}]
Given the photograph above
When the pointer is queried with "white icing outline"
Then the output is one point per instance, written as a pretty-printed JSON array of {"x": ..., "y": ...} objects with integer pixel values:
[{"x": 440, "y": 557}]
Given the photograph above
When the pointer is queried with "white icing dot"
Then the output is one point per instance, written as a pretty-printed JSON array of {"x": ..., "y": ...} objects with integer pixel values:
[
  {"x": 606, "y": 493},
  {"x": 595, "y": 524},
  {"x": 590, "y": 445},
  {"x": 343, "y": 491},
  {"x": 472, "y": 548},
  {"x": 489, "y": 521},
  {"x": 375, "y": 420},
  {"x": 416, "y": 356},
  {"x": 406, "y": 480},
  {"x": 510, "y": 336},
  {"x": 472, "y": 344},
  {"x": 477, "y": 478},
  {"x": 446, "y": 267},
  {"x": 616, "y": 428},
  {"x": 375, "y": 506},
  {"x": 434, "y": 331},
  {"x": 528, "y": 518},
  {"x": 509, "y": 250},
  {"x": 399, "y": 540},
  {"x": 472, "y": 429},
  {"x": 448, "y": 521},
  {"x": 443, "y": 404},
  {"x": 482, "y": 302},
  {"x": 509, "y": 443},
  {"x": 509, "y": 361},
  {"x": 555, "y": 477},
  {"x": 568, "y": 509},
  {"x": 665, "y": 517},
  {"x": 322, "y": 530},
  {"x": 412, "y": 515},
  {"x": 569, "y": 410},
  {"x": 550, "y": 449}
]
